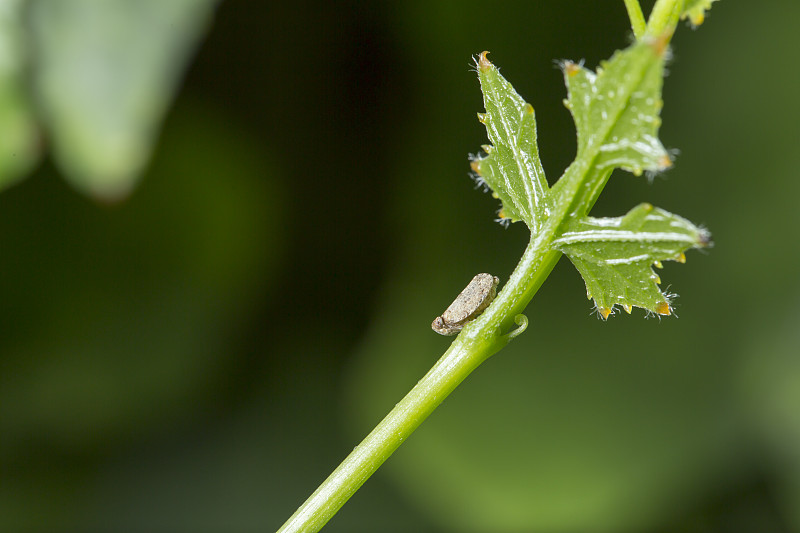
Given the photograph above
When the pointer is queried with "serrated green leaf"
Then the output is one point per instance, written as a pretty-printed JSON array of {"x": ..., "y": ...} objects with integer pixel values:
[
  {"x": 616, "y": 117},
  {"x": 105, "y": 73},
  {"x": 511, "y": 167},
  {"x": 616, "y": 110},
  {"x": 695, "y": 10},
  {"x": 615, "y": 255}
]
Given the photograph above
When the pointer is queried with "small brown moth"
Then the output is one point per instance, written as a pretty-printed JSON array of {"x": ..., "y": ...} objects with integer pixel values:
[{"x": 468, "y": 305}]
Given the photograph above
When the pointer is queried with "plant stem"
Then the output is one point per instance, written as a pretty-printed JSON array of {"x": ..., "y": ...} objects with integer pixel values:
[
  {"x": 638, "y": 24},
  {"x": 458, "y": 361},
  {"x": 476, "y": 343},
  {"x": 664, "y": 17}
]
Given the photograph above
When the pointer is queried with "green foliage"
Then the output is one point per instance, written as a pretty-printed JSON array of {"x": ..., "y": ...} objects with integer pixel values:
[
  {"x": 614, "y": 255},
  {"x": 616, "y": 110},
  {"x": 512, "y": 167},
  {"x": 18, "y": 149},
  {"x": 105, "y": 73},
  {"x": 102, "y": 75},
  {"x": 695, "y": 10},
  {"x": 616, "y": 114}
]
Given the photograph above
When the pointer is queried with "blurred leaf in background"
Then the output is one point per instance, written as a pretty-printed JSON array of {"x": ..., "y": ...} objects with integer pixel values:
[
  {"x": 103, "y": 75},
  {"x": 121, "y": 321},
  {"x": 19, "y": 148}
]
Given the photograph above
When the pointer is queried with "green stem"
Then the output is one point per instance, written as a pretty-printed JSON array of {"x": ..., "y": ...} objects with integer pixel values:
[
  {"x": 664, "y": 17},
  {"x": 456, "y": 364},
  {"x": 638, "y": 24},
  {"x": 476, "y": 343}
]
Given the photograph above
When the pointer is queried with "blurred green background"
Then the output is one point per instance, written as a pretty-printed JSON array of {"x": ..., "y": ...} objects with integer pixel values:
[{"x": 231, "y": 224}]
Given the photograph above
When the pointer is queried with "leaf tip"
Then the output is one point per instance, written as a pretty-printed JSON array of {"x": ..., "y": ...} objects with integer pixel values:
[
  {"x": 697, "y": 19},
  {"x": 663, "y": 308},
  {"x": 483, "y": 63},
  {"x": 482, "y": 118},
  {"x": 696, "y": 13},
  {"x": 604, "y": 312},
  {"x": 571, "y": 68},
  {"x": 681, "y": 258},
  {"x": 704, "y": 238},
  {"x": 664, "y": 162},
  {"x": 503, "y": 221},
  {"x": 627, "y": 308},
  {"x": 658, "y": 264}
]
